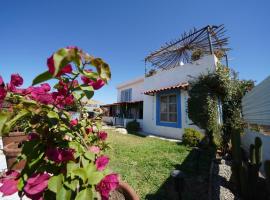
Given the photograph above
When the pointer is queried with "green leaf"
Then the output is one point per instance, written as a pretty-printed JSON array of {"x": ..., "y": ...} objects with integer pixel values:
[
  {"x": 95, "y": 177},
  {"x": 20, "y": 184},
  {"x": 60, "y": 60},
  {"x": 81, "y": 173},
  {"x": 3, "y": 119},
  {"x": 103, "y": 68},
  {"x": 88, "y": 91},
  {"x": 71, "y": 166},
  {"x": 91, "y": 75},
  {"x": 77, "y": 147},
  {"x": 42, "y": 78},
  {"x": 85, "y": 161},
  {"x": 55, "y": 183},
  {"x": 8, "y": 125},
  {"x": 85, "y": 194},
  {"x": 72, "y": 184},
  {"x": 64, "y": 193},
  {"x": 89, "y": 155},
  {"x": 53, "y": 116},
  {"x": 90, "y": 168}
]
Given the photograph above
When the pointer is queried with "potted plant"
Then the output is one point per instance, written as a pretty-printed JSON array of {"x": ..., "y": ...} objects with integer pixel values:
[{"x": 64, "y": 157}]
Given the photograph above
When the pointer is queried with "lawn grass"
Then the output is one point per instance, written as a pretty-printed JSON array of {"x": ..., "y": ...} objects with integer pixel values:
[{"x": 145, "y": 163}]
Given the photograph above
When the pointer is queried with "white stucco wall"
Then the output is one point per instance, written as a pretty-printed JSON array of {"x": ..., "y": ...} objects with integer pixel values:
[
  {"x": 137, "y": 86},
  {"x": 180, "y": 74},
  {"x": 169, "y": 78}
]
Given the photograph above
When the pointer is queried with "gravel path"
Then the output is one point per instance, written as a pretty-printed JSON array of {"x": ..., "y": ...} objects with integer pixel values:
[{"x": 221, "y": 181}]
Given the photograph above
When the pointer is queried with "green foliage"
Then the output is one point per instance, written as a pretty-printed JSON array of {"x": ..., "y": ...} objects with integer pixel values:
[
  {"x": 192, "y": 137},
  {"x": 197, "y": 54},
  {"x": 133, "y": 126},
  {"x": 75, "y": 175},
  {"x": 206, "y": 92},
  {"x": 42, "y": 78}
]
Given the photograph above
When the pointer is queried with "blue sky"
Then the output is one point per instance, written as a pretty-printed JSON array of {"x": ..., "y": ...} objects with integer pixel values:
[{"x": 123, "y": 32}]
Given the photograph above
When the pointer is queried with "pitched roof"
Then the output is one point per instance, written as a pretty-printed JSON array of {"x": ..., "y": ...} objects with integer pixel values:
[{"x": 177, "y": 86}]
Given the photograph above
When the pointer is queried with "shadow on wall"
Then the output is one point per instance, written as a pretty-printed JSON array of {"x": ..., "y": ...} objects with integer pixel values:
[{"x": 196, "y": 168}]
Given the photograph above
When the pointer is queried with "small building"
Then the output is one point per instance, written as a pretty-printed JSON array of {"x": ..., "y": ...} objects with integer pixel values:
[{"x": 158, "y": 102}]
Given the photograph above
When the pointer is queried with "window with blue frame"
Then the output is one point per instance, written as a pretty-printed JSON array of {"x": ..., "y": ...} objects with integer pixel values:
[
  {"x": 126, "y": 95},
  {"x": 168, "y": 108}
]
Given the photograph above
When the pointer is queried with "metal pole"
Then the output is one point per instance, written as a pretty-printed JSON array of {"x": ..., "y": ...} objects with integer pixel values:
[
  {"x": 209, "y": 39},
  {"x": 145, "y": 71},
  {"x": 227, "y": 63}
]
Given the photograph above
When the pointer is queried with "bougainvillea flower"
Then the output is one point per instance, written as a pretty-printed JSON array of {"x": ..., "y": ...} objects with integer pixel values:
[
  {"x": 16, "y": 80},
  {"x": 36, "y": 185},
  {"x": 3, "y": 93},
  {"x": 1, "y": 81},
  {"x": 94, "y": 149},
  {"x": 89, "y": 130},
  {"x": 59, "y": 155},
  {"x": 102, "y": 162},
  {"x": 32, "y": 136},
  {"x": 108, "y": 184},
  {"x": 102, "y": 135},
  {"x": 46, "y": 87},
  {"x": 69, "y": 100},
  {"x": 74, "y": 122},
  {"x": 97, "y": 84},
  {"x": 9, "y": 182},
  {"x": 65, "y": 70},
  {"x": 85, "y": 79}
]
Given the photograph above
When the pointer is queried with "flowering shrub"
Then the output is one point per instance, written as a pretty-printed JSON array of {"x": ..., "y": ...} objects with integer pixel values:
[{"x": 64, "y": 156}]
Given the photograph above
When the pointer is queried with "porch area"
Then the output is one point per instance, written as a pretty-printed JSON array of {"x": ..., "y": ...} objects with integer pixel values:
[{"x": 119, "y": 114}]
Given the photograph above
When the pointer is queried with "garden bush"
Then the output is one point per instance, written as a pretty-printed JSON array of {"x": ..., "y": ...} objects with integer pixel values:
[
  {"x": 192, "y": 137},
  {"x": 133, "y": 126}
]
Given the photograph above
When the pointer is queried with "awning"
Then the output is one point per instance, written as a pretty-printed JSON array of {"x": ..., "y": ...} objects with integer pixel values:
[
  {"x": 177, "y": 86},
  {"x": 121, "y": 103}
]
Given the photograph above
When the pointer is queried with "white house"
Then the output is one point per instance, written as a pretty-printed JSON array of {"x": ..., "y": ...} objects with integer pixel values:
[{"x": 159, "y": 101}]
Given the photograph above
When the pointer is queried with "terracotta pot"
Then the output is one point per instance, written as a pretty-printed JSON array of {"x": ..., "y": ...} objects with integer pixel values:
[
  {"x": 12, "y": 150},
  {"x": 127, "y": 192},
  {"x": 14, "y": 137}
]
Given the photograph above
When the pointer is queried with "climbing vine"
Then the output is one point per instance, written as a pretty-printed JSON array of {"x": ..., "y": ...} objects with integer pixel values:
[{"x": 209, "y": 92}]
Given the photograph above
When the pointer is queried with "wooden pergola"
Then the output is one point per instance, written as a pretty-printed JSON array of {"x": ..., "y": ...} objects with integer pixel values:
[{"x": 209, "y": 40}]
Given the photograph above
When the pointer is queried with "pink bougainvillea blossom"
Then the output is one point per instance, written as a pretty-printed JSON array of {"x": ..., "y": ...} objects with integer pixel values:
[
  {"x": 85, "y": 79},
  {"x": 94, "y": 149},
  {"x": 46, "y": 87},
  {"x": 3, "y": 93},
  {"x": 16, "y": 80},
  {"x": 1, "y": 82},
  {"x": 9, "y": 182},
  {"x": 102, "y": 162},
  {"x": 74, "y": 122},
  {"x": 59, "y": 155},
  {"x": 65, "y": 70},
  {"x": 32, "y": 136},
  {"x": 36, "y": 185},
  {"x": 97, "y": 84},
  {"x": 108, "y": 184},
  {"x": 89, "y": 130},
  {"x": 102, "y": 135}
]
